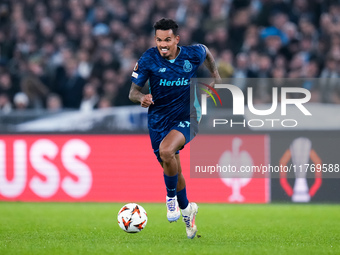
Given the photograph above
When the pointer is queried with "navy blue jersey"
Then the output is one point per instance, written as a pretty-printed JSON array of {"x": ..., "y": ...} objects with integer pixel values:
[{"x": 169, "y": 83}]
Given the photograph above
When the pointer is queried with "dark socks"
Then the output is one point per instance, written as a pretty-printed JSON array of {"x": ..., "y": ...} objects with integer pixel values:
[
  {"x": 171, "y": 184},
  {"x": 182, "y": 198}
]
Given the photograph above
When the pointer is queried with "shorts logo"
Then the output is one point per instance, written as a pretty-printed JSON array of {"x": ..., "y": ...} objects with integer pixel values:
[
  {"x": 187, "y": 67},
  {"x": 136, "y": 67},
  {"x": 162, "y": 70}
]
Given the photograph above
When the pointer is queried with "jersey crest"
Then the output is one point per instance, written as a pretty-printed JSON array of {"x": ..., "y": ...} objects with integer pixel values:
[{"x": 187, "y": 67}]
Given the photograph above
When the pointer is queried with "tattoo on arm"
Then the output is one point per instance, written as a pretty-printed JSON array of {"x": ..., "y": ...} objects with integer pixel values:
[
  {"x": 135, "y": 94},
  {"x": 211, "y": 64}
]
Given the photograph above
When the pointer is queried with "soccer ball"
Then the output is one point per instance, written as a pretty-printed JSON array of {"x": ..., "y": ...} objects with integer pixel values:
[{"x": 132, "y": 218}]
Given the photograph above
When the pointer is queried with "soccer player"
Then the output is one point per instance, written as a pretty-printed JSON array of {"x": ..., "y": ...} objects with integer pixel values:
[{"x": 169, "y": 68}]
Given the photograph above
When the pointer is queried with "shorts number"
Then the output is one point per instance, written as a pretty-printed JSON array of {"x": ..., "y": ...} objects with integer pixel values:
[{"x": 183, "y": 123}]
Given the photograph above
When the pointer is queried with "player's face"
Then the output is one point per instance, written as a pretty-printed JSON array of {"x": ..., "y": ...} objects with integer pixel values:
[{"x": 166, "y": 43}]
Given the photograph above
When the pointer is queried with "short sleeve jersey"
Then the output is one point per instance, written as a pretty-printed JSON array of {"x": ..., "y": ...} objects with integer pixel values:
[{"x": 169, "y": 84}]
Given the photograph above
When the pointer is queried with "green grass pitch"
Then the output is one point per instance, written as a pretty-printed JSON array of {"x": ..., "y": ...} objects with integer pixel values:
[{"x": 91, "y": 228}]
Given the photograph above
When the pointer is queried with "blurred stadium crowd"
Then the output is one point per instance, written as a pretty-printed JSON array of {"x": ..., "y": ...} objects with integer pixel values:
[{"x": 57, "y": 54}]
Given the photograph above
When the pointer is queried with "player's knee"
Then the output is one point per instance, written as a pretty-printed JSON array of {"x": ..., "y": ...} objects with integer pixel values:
[{"x": 166, "y": 154}]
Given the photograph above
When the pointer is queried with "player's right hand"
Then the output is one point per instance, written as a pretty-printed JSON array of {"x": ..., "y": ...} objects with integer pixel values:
[{"x": 146, "y": 101}]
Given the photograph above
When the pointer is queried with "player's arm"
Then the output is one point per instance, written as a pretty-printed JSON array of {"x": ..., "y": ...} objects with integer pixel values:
[
  {"x": 210, "y": 63},
  {"x": 137, "y": 96}
]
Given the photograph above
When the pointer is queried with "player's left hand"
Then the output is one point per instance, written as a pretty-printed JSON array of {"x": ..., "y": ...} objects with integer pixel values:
[{"x": 146, "y": 101}]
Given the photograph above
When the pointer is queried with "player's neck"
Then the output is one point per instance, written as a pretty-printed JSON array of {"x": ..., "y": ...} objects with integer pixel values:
[{"x": 176, "y": 54}]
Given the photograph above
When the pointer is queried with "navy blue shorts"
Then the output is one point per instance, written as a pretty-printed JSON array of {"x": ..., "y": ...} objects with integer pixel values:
[{"x": 188, "y": 128}]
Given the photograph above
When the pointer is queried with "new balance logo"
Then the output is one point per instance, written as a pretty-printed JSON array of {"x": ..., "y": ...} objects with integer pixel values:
[{"x": 162, "y": 70}]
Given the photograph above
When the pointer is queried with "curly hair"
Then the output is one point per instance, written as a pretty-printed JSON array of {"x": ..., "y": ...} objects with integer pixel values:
[{"x": 166, "y": 24}]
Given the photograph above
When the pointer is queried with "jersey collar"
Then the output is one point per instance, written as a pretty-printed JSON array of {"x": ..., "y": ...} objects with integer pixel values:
[{"x": 173, "y": 60}]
